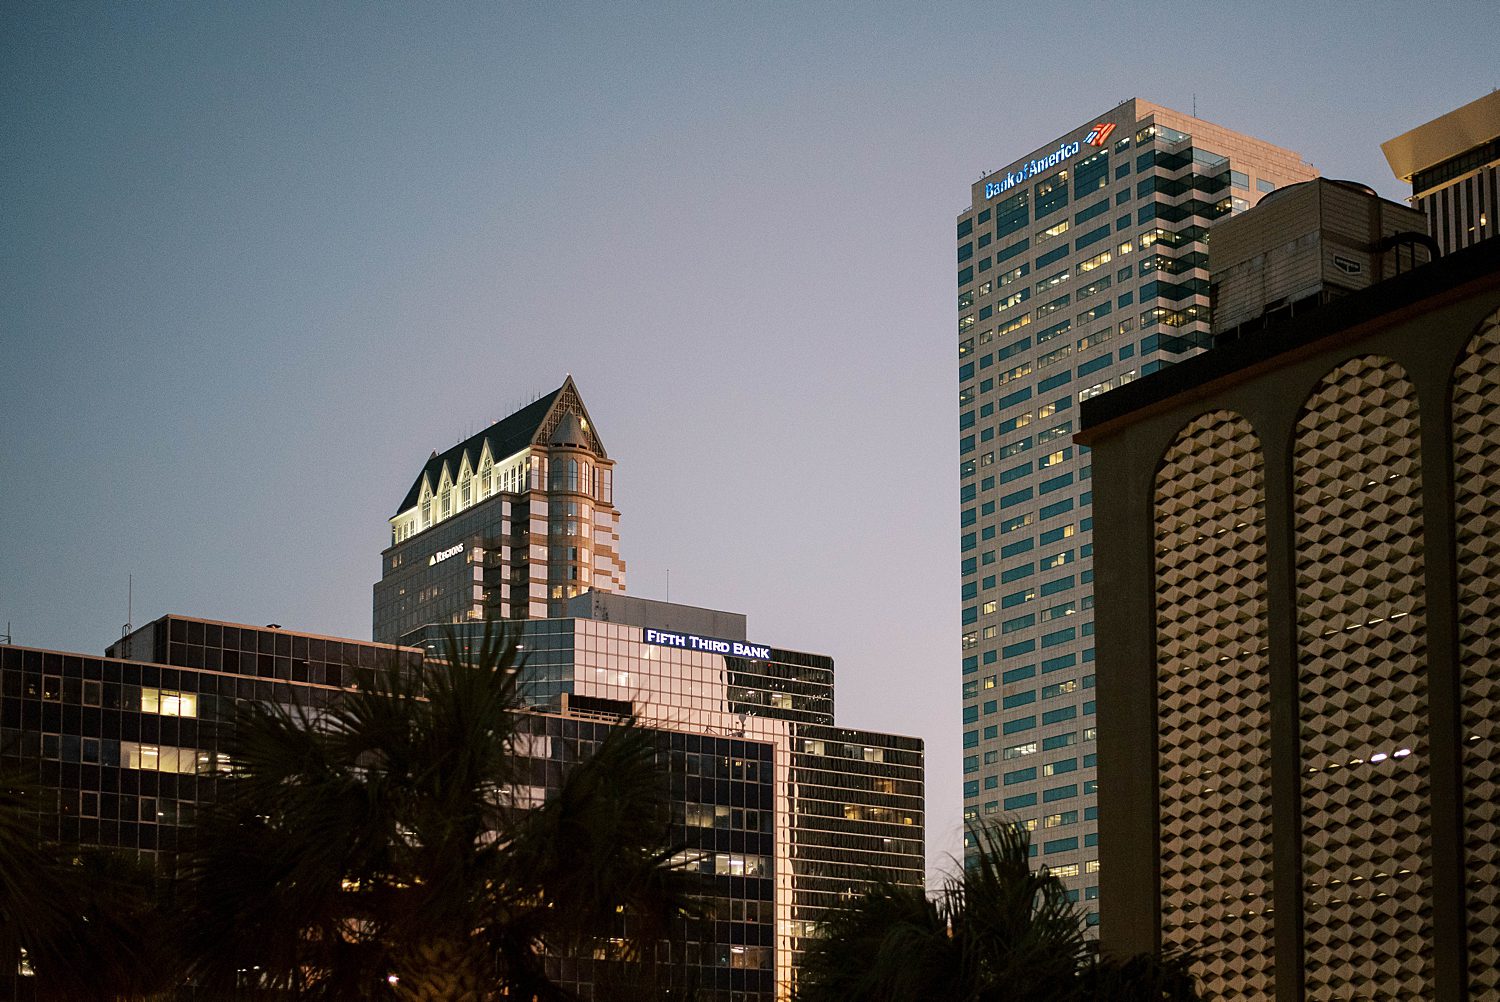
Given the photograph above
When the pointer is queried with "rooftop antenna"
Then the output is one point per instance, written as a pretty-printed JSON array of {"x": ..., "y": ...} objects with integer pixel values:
[
  {"x": 129, "y": 605},
  {"x": 669, "y": 584},
  {"x": 7, "y": 632},
  {"x": 1195, "y": 104}
]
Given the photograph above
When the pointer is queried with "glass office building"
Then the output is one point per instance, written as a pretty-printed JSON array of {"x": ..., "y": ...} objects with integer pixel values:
[
  {"x": 779, "y": 813},
  {"x": 847, "y": 806},
  {"x": 1081, "y": 266}
]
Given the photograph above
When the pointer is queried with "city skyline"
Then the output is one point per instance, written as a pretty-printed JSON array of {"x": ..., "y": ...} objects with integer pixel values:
[{"x": 259, "y": 262}]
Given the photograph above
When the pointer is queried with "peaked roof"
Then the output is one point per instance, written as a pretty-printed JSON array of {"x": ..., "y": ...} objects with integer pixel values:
[{"x": 508, "y": 436}]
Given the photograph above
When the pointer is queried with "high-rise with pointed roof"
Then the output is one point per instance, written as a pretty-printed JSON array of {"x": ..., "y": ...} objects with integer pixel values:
[{"x": 508, "y": 524}]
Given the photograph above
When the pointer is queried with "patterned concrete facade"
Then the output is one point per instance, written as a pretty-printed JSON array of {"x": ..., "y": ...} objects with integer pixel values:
[{"x": 1297, "y": 674}]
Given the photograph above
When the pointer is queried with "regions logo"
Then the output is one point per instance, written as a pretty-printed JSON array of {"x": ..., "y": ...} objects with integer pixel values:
[{"x": 1099, "y": 135}]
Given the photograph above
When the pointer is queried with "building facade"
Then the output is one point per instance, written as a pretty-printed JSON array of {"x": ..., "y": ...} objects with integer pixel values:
[
  {"x": 508, "y": 524},
  {"x": 1453, "y": 166},
  {"x": 779, "y": 813},
  {"x": 1081, "y": 267},
  {"x": 1300, "y": 543},
  {"x": 848, "y": 804}
]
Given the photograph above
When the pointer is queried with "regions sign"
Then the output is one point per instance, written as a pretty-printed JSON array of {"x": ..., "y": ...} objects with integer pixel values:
[
  {"x": 442, "y": 555},
  {"x": 693, "y": 642}
]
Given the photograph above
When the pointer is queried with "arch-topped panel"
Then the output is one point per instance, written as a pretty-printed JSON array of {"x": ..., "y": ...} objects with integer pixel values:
[
  {"x": 1362, "y": 685},
  {"x": 1213, "y": 683},
  {"x": 1476, "y": 525}
]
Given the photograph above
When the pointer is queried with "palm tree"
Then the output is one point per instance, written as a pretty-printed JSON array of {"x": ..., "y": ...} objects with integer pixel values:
[
  {"x": 998, "y": 930},
  {"x": 388, "y": 844}
]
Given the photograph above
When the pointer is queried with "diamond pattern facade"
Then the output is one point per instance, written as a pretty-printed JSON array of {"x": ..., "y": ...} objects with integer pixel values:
[
  {"x": 1213, "y": 742},
  {"x": 1362, "y": 687},
  {"x": 1476, "y": 486}
]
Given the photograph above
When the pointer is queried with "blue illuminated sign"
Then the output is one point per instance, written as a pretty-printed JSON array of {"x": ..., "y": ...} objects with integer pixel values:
[
  {"x": 1031, "y": 169},
  {"x": 693, "y": 642}
]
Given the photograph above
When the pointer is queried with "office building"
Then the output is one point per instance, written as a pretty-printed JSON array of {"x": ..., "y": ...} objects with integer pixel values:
[
  {"x": 1453, "y": 165},
  {"x": 1081, "y": 267},
  {"x": 780, "y": 813},
  {"x": 848, "y": 804},
  {"x": 508, "y": 524},
  {"x": 1299, "y": 542}
]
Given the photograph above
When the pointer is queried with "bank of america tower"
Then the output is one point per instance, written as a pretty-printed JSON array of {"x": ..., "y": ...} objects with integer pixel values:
[{"x": 1081, "y": 266}]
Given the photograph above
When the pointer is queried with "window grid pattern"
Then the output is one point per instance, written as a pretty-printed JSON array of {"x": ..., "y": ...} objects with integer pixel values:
[
  {"x": 1362, "y": 687},
  {"x": 1213, "y": 744},
  {"x": 1476, "y": 474}
]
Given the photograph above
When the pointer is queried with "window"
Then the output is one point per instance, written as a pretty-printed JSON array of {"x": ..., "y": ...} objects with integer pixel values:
[
  {"x": 1059, "y": 688},
  {"x": 1057, "y": 229},
  {"x": 1057, "y": 741},
  {"x": 1020, "y": 751},
  {"x": 1093, "y": 340},
  {"x": 1092, "y": 236},
  {"x": 1020, "y": 445},
  {"x": 1011, "y": 276},
  {"x": 1059, "y": 793},
  {"x": 1056, "y": 330},
  {"x": 1015, "y": 522},
  {"x": 1057, "y": 431},
  {"x": 1051, "y": 282},
  {"x": 1096, "y": 209},
  {"x": 1019, "y": 346},
  {"x": 1011, "y": 213},
  {"x": 169, "y": 703},
  {"x": 1017, "y": 598},
  {"x": 1051, "y": 194},
  {"x": 1090, "y": 174},
  {"x": 1055, "y": 355}
]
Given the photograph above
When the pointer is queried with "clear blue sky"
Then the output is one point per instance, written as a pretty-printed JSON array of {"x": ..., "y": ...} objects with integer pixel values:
[{"x": 258, "y": 260}]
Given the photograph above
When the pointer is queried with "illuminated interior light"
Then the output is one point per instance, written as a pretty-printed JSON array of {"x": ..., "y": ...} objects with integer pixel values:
[{"x": 1401, "y": 753}]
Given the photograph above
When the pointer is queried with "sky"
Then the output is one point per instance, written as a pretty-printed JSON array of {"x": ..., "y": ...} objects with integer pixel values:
[{"x": 257, "y": 261}]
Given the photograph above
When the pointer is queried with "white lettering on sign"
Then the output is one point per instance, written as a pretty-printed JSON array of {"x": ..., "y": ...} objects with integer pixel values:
[
  {"x": 442, "y": 555},
  {"x": 1030, "y": 169},
  {"x": 693, "y": 642}
]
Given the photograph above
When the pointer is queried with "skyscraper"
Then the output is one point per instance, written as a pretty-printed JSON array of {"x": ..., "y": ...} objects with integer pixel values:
[
  {"x": 1453, "y": 164},
  {"x": 1081, "y": 266},
  {"x": 508, "y": 524},
  {"x": 519, "y": 523}
]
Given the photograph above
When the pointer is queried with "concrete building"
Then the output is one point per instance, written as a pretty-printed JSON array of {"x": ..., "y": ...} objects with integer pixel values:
[
  {"x": 508, "y": 524},
  {"x": 1453, "y": 165},
  {"x": 1081, "y": 267},
  {"x": 1298, "y": 537}
]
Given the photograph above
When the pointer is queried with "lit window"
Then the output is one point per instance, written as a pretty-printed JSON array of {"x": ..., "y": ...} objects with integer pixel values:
[{"x": 169, "y": 703}]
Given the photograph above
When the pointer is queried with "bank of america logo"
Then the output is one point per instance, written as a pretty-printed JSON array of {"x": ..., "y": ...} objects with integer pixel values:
[{"x": 1100, "y": 134}]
